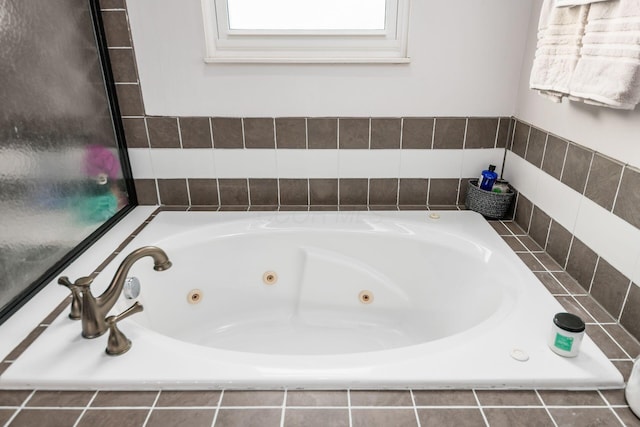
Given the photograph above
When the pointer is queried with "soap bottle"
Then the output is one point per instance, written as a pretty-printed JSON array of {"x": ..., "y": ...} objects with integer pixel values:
[{"x": 487, "y": 178}]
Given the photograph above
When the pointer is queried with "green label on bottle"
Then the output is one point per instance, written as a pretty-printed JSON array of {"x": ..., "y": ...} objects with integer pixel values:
[{"x": 563, "y": 343}]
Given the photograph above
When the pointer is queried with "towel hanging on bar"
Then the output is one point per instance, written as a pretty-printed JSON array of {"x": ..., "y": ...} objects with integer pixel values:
[
  {"x": 569, "y": 3},
  {"x": 589, "y": 53}
]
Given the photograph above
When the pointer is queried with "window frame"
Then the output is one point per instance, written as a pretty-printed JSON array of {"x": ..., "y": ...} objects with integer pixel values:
[{"x": 223, "y": 44}]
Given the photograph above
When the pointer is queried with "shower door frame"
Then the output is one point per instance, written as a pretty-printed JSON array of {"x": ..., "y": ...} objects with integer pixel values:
[{"x": 103, "y": 52}]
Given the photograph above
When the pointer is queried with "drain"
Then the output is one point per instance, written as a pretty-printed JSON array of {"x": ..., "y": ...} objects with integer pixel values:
[
  {"x": 269, "y": 277},
  {"x": 365, "y": 297},
  {"x": 194, "y": 297}
]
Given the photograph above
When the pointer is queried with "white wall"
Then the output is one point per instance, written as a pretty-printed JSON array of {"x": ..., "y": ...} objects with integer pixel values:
[
  {"x": 612, "y": 132},
  {"x": 466, "y": 59}
]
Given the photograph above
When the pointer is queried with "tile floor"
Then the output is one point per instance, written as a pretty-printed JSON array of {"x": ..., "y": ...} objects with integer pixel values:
[
  {"x": 371, "y": 408},
  {"x": 315, "y": 408}
]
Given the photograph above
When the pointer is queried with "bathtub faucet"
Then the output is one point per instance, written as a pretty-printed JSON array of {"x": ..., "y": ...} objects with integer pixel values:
[{"x": 93, "y": 310}]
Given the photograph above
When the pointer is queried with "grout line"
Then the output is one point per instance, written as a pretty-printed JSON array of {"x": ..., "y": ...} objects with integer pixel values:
[
  {"x": 610, "y": 406},
  {"x": 415, "y": 409},
  {"x": 215, "y": 416},
  {"x": 464, "y": 137},
  {"x": 509, "y": 145},
  {"x": 564, "y": 160},
  {"x": 528, "y": 230},
  {"x": 248, "y": 192},
  {"x": 368, "y": 190},
  {"x": 211, "y": 132},
  {"x": 275, "y": 138},
  {"x": 179, "y": 132},
  {"x": 480, "y": 407},
  {"x": 526, "y": 146},
  {"x": 546, "y": 408},
  {"x": 560, "y": 284},
  {"x": 349, "y": 406},
  {"x": 544, "y": 151},
  {"x": 614, "y": 340},
  {"x": 186, "y": 180},
  {"x": 284, "y": 408},
  {"x": 244, "y": 145},
  {"x": 311, "y": 408},
  {"x": 624, "y": 302},
  {"x": 615, "y": 198},
  {"x": 615, "y": 414},
  {"x": 20, "y": 408},
  {"x": 153, "y": 405},
  {"x": 306, "y": 133},
  {"x": 586, "y": 179},
  {"x": 86, "y": 408},
  {"x": 593, "y": 275},
  {"x": 146, "y": 131},
  {"x": 433, "y": 133},
  {"x": 566, "y": 262},
  {"x": 546, "y": 239}
]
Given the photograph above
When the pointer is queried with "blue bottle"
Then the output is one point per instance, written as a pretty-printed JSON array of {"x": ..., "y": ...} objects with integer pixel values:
[{"x": 488, "y": 178}]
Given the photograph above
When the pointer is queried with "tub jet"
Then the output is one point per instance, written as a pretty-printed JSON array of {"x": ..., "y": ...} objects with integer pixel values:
[
  {"x": 270, "y": 278},
  {"x": 366, "y": 297},
  {"x": 194, "y": 297}
]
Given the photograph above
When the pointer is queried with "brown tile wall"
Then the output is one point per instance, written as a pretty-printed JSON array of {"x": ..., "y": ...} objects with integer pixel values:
[
  {"x": 607, "y": 182},
  {"x": 143, "y": 131},
  {"x": 313, "y": 133}
]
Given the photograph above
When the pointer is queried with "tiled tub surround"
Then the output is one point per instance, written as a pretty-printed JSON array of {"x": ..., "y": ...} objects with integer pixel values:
[
  {"x": 357, "y": 407},
  {"x": 348, "y": 162},
  {"x": 468, "y": 407},
  {"x": 330, "y": 162},
  {"x": 584, "y": 210}
]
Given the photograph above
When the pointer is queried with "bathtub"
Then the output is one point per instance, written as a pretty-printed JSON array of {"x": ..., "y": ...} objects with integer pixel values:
[{"x": 322, "y": 300}]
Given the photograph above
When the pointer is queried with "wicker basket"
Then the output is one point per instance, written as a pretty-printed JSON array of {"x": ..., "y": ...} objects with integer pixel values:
[{"x": 490, "y": 204}]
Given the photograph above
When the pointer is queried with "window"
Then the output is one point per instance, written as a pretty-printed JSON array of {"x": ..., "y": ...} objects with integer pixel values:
[{"x": 306, "y": 30}]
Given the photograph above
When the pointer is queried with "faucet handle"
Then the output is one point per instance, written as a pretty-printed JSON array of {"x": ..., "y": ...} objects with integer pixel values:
[
  {"x": 76, "y": 289},
  {"x": 118, "y": 343}
]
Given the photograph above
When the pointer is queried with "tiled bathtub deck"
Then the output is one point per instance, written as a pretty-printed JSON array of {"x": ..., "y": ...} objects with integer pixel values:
[
  {"x": 316, "y": 408},
  {"x": 358, "y": 407}
]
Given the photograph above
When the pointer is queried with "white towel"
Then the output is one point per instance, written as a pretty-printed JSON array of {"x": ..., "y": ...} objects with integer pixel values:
[
  {"x": 608, "y": 71},
  {"x": 570, "y": 3},
  {"x": 560, "y": 32}
]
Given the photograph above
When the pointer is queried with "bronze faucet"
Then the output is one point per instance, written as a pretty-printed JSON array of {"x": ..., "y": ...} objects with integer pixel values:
[{"x": 93, "y": 311}]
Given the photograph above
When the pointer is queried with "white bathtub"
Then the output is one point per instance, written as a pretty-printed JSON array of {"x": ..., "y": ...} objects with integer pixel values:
[{"x": 449, "y": 305}]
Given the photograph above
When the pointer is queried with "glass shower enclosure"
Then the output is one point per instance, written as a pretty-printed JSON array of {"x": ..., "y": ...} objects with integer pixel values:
[{"x": 64, "y": 173}]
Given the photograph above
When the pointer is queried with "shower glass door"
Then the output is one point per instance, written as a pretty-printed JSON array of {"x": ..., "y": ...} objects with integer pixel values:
[{"x": 64, "y": 175}]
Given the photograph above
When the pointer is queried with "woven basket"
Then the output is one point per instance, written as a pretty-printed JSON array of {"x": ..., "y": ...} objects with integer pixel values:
[{"x": 490, "y": 204}]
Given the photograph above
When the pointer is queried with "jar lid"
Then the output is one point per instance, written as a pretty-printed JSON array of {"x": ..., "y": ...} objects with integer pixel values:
[{"x": 569, "y": 322}]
